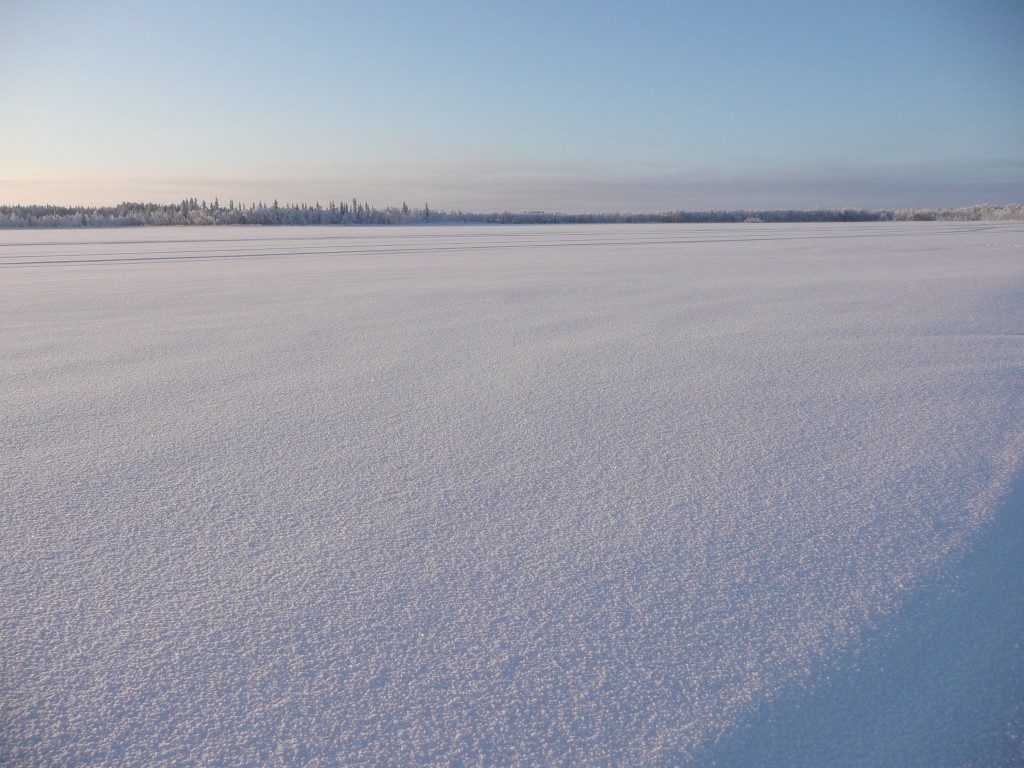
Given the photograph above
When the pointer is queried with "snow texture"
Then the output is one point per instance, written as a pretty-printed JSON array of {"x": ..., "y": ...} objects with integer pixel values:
[{"x": 595, "y": 495}]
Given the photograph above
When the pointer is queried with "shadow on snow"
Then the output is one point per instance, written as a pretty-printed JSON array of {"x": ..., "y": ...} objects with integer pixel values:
[{"x": 941, "y": 683}]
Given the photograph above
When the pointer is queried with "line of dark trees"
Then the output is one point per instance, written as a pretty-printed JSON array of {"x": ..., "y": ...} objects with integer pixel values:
[{"x": 191, "y": 212}]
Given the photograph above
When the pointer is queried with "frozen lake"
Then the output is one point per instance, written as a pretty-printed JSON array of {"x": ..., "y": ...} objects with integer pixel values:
[{"x": 642, "y": 495}]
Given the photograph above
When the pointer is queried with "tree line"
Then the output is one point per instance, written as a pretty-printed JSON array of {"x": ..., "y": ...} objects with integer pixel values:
[{"x": 191, "y": 212}]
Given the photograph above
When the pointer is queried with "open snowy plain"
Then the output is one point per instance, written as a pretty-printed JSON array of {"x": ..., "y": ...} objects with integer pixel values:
[{"x": 640, "y": 495}]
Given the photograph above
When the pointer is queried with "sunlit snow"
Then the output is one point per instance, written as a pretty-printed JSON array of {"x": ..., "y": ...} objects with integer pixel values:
[{"x": 534, "y": 495}]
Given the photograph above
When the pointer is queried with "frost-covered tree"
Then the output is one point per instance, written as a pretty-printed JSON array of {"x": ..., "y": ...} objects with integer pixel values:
[{"x": 190, "y": 211}]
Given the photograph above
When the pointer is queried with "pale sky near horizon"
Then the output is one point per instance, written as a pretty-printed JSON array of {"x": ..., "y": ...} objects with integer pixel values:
[{"x": 574, "y": 106}]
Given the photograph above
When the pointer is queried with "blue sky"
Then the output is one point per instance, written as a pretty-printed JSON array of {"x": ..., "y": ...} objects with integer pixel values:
[{"x": 574, "y": 106}]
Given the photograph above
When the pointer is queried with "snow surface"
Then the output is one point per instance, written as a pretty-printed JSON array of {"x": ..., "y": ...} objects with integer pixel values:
[{"x": 538, "y": 495}]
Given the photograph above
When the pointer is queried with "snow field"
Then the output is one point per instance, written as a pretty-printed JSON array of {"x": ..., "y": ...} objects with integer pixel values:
[{"x": 525, "y": 495}]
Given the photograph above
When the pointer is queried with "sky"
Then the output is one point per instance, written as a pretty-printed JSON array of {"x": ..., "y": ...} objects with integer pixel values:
[{"x": 481, "y": 106}]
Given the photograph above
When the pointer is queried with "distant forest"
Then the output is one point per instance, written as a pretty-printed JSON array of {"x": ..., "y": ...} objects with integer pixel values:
[{"x": 191, "y": 212}]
